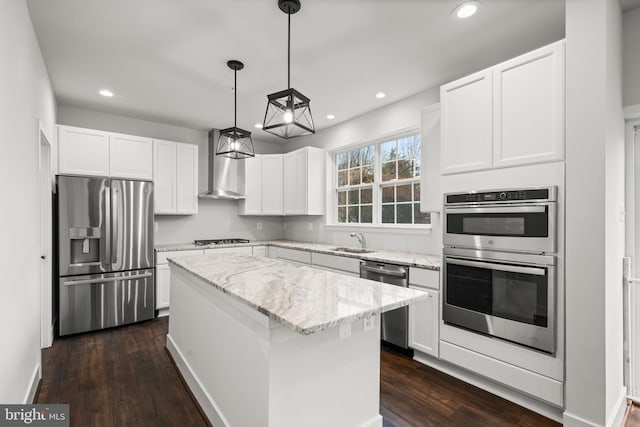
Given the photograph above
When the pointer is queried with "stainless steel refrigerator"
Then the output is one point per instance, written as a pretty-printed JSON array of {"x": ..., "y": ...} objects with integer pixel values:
[{"x": 105, "y": 252}]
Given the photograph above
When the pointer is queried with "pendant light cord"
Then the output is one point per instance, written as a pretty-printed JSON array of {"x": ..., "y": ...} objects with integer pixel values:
[
  {"x": 235, "y": 98},
  {"x": 289, "y": 51}
]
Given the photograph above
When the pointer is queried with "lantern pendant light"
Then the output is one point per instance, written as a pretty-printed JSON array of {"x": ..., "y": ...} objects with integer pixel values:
[
  {"x": 288, "y": 113},
  {"x": 235, "y": 142}
]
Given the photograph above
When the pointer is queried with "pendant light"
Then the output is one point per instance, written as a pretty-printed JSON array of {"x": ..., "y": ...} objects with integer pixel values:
[
  {"x": 235, "y": 142},
  {"x": 288, "y": 113}
]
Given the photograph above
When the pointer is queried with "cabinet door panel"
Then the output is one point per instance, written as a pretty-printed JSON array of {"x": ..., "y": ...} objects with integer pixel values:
[
  {"x": 131, "y": 157},
  {"x": 295, "y": 183},
  {"x": 252, "y": 205},
  {"x": 424, "y": 323},
  {"x": 186, "y": 178},
  {"x": 272, "y": 184},
  {"x": 467, "y": 124},
  {"x": 529, "y": 108},
  {"x": 83, "y": 151},
  {"x": 163, "y": 286},
  {"x": 164, "y": 176}
]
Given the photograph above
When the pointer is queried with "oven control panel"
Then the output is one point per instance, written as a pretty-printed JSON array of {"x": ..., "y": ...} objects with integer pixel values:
[{"x": 497, "y": 196}]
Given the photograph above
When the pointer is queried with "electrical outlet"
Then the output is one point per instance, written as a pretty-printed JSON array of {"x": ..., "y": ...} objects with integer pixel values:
[
  {"x": 369, "y": 321},
  {"x": 345, "y": 330},
  {"x": 259, "y": 225},
  {"x": 310, "y": 226},
  {"x": 156, "y": 226}
]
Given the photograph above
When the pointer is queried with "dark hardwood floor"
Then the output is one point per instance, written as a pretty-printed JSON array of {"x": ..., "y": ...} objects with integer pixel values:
[
  {"x": 119, "y": 377},
  {"x": 123, "y": 377}
]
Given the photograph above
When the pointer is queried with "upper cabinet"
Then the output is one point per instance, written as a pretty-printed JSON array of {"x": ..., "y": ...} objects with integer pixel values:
[
  {"x": 98, "y": 153},
  {"x": 304, "y": 182},
  {"x": 508, "y": 115},
  {"x": 83, "y": 151},
  {"x": 263, "y": 185},
  {"x": 284, "y": 184},
  {"x": 130, "y": 157},
  {"x": 175, "y": 178},
  {"x": 466, "y": 124}
]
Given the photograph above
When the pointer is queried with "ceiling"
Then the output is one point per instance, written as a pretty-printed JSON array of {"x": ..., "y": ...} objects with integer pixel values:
[{"x": 165, "y": 60}]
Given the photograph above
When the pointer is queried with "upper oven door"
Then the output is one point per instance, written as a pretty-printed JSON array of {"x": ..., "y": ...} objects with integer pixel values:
[{"x": 517, "y": 227}]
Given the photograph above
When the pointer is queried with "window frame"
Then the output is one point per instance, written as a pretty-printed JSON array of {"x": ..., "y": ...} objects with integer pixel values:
[{"x": 376, "y": 185}]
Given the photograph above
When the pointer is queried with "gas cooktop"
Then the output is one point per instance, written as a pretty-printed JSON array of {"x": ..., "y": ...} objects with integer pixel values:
[{"x": 219, "y": 241}]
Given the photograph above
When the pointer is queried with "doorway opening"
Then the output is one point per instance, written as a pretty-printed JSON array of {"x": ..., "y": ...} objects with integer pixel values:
[{"x": 45, "y": 243}]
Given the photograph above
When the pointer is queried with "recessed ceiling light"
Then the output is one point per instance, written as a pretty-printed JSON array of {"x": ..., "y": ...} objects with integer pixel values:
[
  {"x": 330, "y": 117},
  {"x": 106, "y": 92},
  {"x": 466, "y": 9},
  {"x": 380, "y": 95},
  {"x": 258, "y": 126}
]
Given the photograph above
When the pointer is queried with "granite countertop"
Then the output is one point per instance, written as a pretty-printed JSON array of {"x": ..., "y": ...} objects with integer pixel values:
[
  {"x": 410, "y": 259},
  {"x": 305, "y": 299}
]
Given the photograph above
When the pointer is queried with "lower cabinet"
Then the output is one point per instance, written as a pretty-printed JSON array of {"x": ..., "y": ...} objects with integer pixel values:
[
  {"x": 261, "y": 251},
  {"x": 163, "y": 276},
  {"x": 295, "y": 256},
  {"x": 240, "y": 250},
  {"x": 424, "y": 323}
]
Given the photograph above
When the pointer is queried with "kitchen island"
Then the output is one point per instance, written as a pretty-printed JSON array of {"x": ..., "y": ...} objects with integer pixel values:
[{"x": 262, "y": 342}]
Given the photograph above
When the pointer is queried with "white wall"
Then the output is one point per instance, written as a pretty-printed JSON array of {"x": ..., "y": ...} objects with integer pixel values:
[
  {"x": 215, "y": 218},
  {"x": 594, "y": 233},
  {"x": 401, "y": 115},
  {"x": 631, "y": 56},
  {"x": 26, "y": 97}
]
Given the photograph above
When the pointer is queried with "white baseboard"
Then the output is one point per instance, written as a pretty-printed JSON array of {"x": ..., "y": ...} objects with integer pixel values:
[
  {"x": 617, "y": 415},
  {"x": 374, "y": 422},
  {"x": 205, "y": 401},
  {"x": 30, "y": 395},
  {"x": 163, "y": 312},
  {"x": 570, "y": 420},
  {"x": 493, "y": 387}
]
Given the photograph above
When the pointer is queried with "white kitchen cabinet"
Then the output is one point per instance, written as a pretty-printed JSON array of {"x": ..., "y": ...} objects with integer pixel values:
[
  {"x": 263, "y": 185},
  {"x": 261, "y": 251},
  {"x": 336, "y": 264},
  {"x": 252, "y": 204},
  {"x": 424, "y": 323},
  {"x": 163, "y": 278},
  {"x": 186, "y": 179},
  {"x": 467, "y": 124},
  {"x": 130, "y": 157},
  {"x": 83, "y": 151},
  {"x": 528, "y": 108},
  {"x": 175, "y": 178},
  {"x": 304, "y": 182},
  {"x": 511, "y": 114},
  {"x": 293, "y": 255},
  {"x": 240, "y": 250},
  {"x": 272, "y": 184},
  {"x": 163, "y": 288},
  {"x": 430, "y": 188}
]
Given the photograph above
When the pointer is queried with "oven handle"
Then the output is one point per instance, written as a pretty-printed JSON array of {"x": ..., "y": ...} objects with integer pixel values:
[
  {"x": 501, "y": 209},
  {"x": 500, "y": 267}
]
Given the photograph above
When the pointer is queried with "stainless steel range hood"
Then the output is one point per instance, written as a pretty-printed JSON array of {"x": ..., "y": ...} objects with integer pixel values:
[{"x": 225, "y": 174}]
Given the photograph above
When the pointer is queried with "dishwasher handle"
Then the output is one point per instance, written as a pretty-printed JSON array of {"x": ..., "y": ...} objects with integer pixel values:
[{"x": 384, "y": 271}]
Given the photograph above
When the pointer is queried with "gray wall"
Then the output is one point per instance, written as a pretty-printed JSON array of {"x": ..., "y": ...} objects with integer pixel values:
[
  {"x": 631, "y": 57},
  {"x": 215, "y": 218},
  {"x": 26, "y": 98}
]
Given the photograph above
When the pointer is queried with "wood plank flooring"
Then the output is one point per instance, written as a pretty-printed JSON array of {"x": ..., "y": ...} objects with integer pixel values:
[{"x": 123, "y": 377}]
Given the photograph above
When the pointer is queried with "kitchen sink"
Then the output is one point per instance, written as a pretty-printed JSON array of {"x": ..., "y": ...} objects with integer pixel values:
[{"x": 353, "y": 250}]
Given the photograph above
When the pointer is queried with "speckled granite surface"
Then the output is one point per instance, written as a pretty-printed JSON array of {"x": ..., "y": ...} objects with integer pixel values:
[
  {"x": 302, "y": 298},
  {"x": 410, "y": 259}
]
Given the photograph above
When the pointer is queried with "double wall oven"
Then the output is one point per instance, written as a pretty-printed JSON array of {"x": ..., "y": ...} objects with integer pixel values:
[{"x": 500, "y": 264}]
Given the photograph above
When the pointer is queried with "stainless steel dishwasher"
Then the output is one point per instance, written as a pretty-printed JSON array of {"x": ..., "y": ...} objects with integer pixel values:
[{"x": 395, "y": 323}]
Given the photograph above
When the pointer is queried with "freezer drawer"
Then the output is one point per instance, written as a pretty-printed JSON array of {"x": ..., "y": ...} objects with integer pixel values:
[{"x": 94, "y": 302}]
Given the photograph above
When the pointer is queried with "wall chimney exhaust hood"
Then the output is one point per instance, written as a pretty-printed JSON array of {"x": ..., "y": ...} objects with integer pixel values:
[{"x": 224, "y": 174}]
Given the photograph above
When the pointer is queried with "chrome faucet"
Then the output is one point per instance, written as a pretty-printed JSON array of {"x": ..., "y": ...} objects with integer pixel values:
[{"x": 361, "y": 239}]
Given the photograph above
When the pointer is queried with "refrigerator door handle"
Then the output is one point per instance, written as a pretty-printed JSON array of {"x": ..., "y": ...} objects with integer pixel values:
[
  {"x": 106, "y": 214},
  {"x": 114, "y": 224},
  {"x": 107, "y": 279}
]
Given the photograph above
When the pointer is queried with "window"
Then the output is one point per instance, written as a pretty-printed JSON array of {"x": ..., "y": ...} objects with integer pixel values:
[{"x": 380, "y": 183}]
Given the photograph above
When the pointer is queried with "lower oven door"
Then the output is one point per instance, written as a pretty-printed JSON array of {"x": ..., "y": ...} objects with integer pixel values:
[{"x": 505, "y": 295}]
